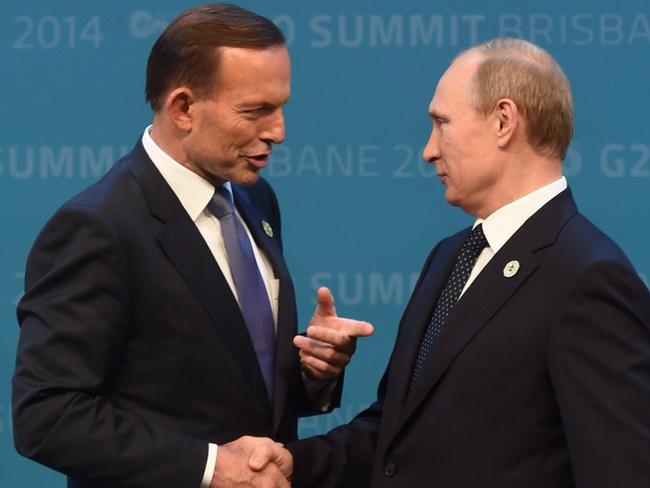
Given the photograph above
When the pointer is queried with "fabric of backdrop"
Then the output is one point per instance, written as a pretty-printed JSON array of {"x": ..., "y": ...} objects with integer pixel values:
[{"x": 360, "y": 209}]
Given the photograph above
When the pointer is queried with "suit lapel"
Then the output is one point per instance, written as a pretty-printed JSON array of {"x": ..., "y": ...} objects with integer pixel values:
[
  {"x": 187, "y": 251},
  {"x": 269, "y": 244},
  {"x": 412, "y": 326},
  {"x": 285, "y": 353},
  {"x": 482, "y": 300},
  {"x": 419, "y": 314},
  {"x": 489, "y": 292}
]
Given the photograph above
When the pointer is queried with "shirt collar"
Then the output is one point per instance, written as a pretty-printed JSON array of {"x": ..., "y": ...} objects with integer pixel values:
[
  {"x": 500, "y": 226},
  {"x": 193, "y": 191}
]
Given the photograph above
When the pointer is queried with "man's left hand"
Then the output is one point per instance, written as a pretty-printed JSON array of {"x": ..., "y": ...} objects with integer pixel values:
[{"x": 330, "y": 341}]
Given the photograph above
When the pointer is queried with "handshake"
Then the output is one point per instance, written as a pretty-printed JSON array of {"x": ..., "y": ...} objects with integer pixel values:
[
  {"x": 252, "y": 461},
  {"x": 324, "y": 352}
]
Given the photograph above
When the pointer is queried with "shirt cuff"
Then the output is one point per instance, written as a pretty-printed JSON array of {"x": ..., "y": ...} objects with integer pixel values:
[
  {"x": 210, "y": 464},
  {"x": 320, "y": 391}
]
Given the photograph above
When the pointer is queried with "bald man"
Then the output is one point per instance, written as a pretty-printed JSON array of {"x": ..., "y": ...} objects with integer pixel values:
[{"x": 523, "y": 356}]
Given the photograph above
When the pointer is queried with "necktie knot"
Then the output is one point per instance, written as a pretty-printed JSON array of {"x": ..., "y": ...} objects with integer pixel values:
[
  {"x": 476, "y": 241},
  {"x": 221, "y": 203}
]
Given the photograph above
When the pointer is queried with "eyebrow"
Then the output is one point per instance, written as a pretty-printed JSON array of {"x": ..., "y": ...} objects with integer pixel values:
[
  {"x": 264, "y": 106},
  {"x": 434, "y": 114},
  {"x": 260, "y": 104}
]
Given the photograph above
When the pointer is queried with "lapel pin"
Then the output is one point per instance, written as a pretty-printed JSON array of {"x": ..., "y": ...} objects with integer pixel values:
[
  {"x": 268, "y": 230},
  {"x": 511, "y": 269}
]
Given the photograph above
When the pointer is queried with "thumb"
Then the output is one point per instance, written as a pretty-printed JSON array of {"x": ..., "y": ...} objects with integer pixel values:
[
  {"x": 325, "y": 302},
  {"x": 263, "y": 454},
  {"x": 283, "y": 460},
  {"x": 260, "y": 457}
]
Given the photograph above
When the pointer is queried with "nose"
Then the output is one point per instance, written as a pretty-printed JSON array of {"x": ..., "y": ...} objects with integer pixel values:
[
  {"x": 431, "y": 152},
  {"x": 274, "y": 131}
]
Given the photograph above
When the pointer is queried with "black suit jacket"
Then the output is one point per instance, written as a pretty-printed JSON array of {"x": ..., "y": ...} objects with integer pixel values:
[
  {"x": 540, "y": 380},
  {"x": 133, "y": 352}
]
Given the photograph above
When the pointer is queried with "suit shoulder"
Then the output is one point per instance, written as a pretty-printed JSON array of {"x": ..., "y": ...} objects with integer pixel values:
[
  {"x": 452, "y": 241},
  {"x": 261, "y": 189},
  {"x": 585, "y": 243},
  {"x": 261, "y": 195},
  {"x": 116, "y": 179},
  {"x": 114, "y": 202}
]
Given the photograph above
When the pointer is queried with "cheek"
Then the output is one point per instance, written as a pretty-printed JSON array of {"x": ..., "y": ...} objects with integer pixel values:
[
  {"x": 242, "y": 132},
  {"x": 224, "y": 134},
  {"x": 452, "y": 142},
  {"x": 452, "y": 154}
]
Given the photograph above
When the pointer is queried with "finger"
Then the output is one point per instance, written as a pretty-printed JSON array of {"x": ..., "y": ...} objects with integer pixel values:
[
  {"x": 250, "y": 440},
  {"x": 340, "y": 335},
  {"x": 261, "y": 456},
  {"x": 350, "y": 327},
  {"x": 320, "y": 369},
  {"x": 303, "y": 342},
  {"x": 358, "y": 328},
  {"x": 325, "y": 302},
  {"x": 271, "y": 476},
  {"x": 284, "y": 483},
  {"x": 284, "y": 460},
  {"x": 326, "y": 336},
  {"x": 325, "y": 352},
  {"x": 314, "y": 373}
]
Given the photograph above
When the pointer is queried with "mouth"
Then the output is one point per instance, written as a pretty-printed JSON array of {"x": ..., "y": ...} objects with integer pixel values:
[{"x": 258, "y": 160}]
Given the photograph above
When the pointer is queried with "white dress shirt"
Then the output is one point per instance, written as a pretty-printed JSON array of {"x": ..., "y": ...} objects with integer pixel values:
[
  {"x": 504, "y": 222},
  {"x": 194, "y": 194}
]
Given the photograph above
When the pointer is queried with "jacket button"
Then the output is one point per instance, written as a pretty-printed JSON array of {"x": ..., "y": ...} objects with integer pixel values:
[{"x": 389, "y": 470}]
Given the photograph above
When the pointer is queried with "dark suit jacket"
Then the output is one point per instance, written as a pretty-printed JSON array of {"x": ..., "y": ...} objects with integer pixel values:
[
  {"x": 540, "y": 380},
  {"x": 133, "y": 352}
]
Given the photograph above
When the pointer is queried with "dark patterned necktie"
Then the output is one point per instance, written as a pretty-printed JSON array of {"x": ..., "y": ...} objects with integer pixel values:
[
  {"x": 469, "y": 252},
  {"x": 253, "y": 298}
]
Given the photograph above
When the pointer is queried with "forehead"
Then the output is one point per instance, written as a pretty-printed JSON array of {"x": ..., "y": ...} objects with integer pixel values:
[
  {"x": 453, "y": 87},
  {"x": 244, "y": 66}
]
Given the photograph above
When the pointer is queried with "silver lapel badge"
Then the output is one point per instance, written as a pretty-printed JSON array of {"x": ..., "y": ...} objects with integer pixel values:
[
  {"x": 511, "y": 268},
  {"x": 268, "y": 230}
]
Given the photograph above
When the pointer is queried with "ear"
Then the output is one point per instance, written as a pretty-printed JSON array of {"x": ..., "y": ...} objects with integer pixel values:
[
  {"x": 179, "y": 107},
  {"x": 506, "y": 121}
]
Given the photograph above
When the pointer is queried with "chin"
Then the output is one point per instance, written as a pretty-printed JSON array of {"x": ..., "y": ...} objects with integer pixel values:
[
  {"x": 452, "y": 200},
  {"x": 247, "y": 179}
]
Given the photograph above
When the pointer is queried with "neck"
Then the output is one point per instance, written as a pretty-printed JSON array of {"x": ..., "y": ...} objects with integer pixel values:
[
  {"x": 166, "y": 141},
  {"x": 522, "y": 175}
]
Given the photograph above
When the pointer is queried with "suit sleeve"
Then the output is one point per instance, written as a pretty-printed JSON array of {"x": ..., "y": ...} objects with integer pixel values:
[
  {"x": 74, "y": 320},
  {"x": 344, "y": 457},
  {"x": 599, "y": 361}
]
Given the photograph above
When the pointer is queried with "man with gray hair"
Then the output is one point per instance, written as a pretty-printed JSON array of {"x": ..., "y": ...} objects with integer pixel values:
[{"x": 523, "y": 356}]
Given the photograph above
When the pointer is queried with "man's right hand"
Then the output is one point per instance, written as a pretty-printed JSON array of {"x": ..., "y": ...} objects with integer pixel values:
[{"x": 252, "y": 462}]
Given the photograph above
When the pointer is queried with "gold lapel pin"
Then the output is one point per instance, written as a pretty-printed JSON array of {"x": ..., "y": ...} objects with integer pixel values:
[
  {"x": 511, "y": 269},
  {"x": 268, "y": 230}
]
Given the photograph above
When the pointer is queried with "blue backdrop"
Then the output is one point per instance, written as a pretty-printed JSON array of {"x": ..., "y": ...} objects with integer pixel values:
[{"x": 360, "y": 209}]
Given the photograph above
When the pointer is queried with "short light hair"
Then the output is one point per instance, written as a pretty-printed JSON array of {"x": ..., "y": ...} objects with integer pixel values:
[{"x": 528, "y": 75}]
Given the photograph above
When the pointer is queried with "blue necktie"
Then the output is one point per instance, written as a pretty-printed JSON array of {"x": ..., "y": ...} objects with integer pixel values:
[
  {"x": 474, "y": 243},
  {"x": 253, "y": 298}
]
